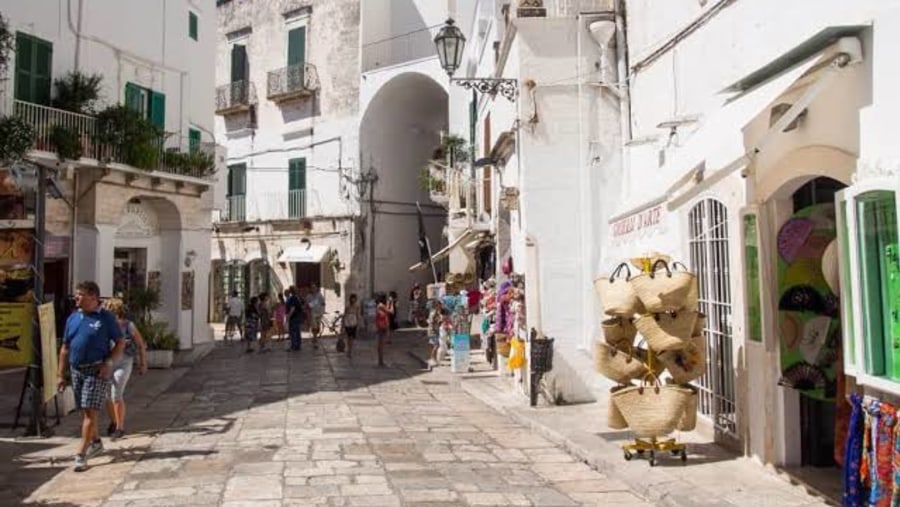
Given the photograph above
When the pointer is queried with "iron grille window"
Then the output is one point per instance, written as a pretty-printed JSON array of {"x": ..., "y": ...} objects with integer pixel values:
[{"x": 709, "y": 251}]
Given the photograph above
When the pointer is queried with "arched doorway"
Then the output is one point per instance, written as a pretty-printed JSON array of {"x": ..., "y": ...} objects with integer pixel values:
[
  {"x": 399, "y": 131},
  {"x": 710, "y": 259}
]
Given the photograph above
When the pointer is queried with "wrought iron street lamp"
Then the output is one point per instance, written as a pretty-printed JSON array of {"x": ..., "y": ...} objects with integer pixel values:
[{"x": 451, "y": 44}]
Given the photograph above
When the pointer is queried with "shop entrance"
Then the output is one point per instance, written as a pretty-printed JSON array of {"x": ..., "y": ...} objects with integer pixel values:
[
  {"x": 306, "y": 274},
  {"x": 809, "y": 328},
  {"x": 129, "y": 269}
]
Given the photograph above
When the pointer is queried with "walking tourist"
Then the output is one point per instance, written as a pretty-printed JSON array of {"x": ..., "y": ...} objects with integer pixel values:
[
  {"x": 88, "y": 351},
  {"x": 235, "y": 309},
  {"x": 352, "y": 315},
  {"x": 251, "y": 323},
  {"x": 278, "y": 315},
  {"x": 315, "y": 301},
  {"x": 382, "y": 325},
  {"x": 134, "y": 346},
  {"x": 294, "y": 317},
  {"x": 265, "y": 322},
  {"x": 435, "y": 320}
]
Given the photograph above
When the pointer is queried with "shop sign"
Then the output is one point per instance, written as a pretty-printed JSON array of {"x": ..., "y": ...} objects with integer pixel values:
[
  {"x": 49, "y": 354},
  {"x": 15, "y": 334},
  {"x": 647, "y": 219},
  {"x": 16, "y": 247}
]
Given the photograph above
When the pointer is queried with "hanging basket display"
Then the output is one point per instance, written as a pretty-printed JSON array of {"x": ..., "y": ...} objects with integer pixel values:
[
  {"x": 619, "y": 332},
  {"x": 667, "y": 331},
  {"x": 687, "y": 364},
  {"x": 618, "y": 365},
  {"x": 688, "y": 421},
  {"x": 665, "y": 288},
  {"x": 616, "y": 294},
  {"x": 503, "y": 345},
  {"x": 614, "y": 418}
]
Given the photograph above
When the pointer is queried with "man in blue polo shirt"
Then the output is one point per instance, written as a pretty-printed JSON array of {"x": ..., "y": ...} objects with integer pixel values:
[{"x": 88, "y": 351}]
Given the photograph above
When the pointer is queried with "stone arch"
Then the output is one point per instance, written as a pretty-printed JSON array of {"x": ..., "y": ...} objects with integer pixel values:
[
  {"x": 399, "y": 131},
  {"x": 793, "y": 170}
]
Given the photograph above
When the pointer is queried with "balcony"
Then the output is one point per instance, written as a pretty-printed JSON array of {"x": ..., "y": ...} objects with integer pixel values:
[
  {"x": 235, "y": 97},
  {"x": 266, "y": 206},
  {"x": 436, "y": 181},
  {"x": 292, "y": 83},
  {"x": 400, "y": 49},
  {"x": 77, "y": 136}
]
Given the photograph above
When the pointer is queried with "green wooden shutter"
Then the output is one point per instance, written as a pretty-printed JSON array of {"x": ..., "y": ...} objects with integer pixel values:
[
  {"x": 237, "y": 179},
  {"x": 239, "y": 66},
  {"x": 296, "y": 46},
  {"x": 133, "y": 97},
  {"x": 158, "y": 109},
  {"x": 24, "y": 53},
  {"x": 192, "y": 26},
  {"x": 43, "y": 70},
  {"x": 230, "y": 191},
  {"x": 297, "y": 174},
  {"x": 193, "y": 139}
]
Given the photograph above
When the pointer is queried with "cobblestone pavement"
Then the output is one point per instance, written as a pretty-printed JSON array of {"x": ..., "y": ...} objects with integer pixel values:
[{"x": 313, "y": 428}]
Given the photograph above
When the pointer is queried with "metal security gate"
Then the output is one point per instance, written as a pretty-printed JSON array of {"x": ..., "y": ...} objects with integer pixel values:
[{"x": 710, "y": 260}]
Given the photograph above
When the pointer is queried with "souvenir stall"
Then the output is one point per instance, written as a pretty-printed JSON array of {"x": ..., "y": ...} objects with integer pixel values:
[{"x": 652, "y": 347}]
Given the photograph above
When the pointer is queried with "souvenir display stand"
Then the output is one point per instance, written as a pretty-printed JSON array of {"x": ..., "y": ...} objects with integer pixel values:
[{"x": 651, "y": 331}]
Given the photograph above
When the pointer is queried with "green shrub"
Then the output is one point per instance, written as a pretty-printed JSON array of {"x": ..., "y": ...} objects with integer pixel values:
[
  {"x": 136, "y": 140},
  {"x": 158, "y": 336},
  {"x": 16, "y": 138},
  {"x": 67, "y": 143},
  {"x": 77, "y": 92}
]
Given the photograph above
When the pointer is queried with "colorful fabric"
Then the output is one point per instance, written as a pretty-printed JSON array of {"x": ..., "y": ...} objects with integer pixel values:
[
  {"x": 895, "y": 496},
  {"x": 854, "y": 490},
  {"x": 883, "y": 447}
]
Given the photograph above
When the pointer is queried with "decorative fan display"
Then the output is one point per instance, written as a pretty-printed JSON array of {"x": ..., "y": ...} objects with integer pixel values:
[
  {"x": 803, "y": 377},
  {"x": 815, "y": 332},
  {"x": 802, "y": 298},
  {"x": 790, "y": 330},
  {"x": 792, "y": 236}
]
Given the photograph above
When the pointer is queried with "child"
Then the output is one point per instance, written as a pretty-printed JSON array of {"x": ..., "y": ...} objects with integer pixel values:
[
  {"x": 251, "y": 323},
  {"x": 435, "y": 319}
]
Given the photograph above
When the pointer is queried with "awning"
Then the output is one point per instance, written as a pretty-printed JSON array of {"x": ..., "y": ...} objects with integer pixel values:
[
  {"x": 444, "y": 252},
  {"x": 311, "y": 254},
  {"x": 718, "y": 148}
]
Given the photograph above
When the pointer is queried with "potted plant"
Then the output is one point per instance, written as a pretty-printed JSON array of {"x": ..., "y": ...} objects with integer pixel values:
[{"x": 161, "y": 344}]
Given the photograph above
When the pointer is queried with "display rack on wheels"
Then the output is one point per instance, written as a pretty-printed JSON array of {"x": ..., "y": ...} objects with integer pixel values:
[{"x": 659, "y": 302}]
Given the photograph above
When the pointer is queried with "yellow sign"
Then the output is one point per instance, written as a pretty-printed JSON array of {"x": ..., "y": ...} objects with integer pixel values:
[
  {"x": 15, "y": 333},
  {"x": 49, "y": 354}
]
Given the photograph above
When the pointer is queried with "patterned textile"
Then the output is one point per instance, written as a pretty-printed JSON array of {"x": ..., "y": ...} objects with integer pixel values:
[
  {"x": 90, "y": 390},
  {"x": 883, "y": 446},
  {"x": 841, "y": 410},
  {"x": 854, "y": 491},
  {"x": 895, "y": 497}
]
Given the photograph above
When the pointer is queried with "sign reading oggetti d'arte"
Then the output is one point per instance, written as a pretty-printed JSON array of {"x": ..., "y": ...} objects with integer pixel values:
[{"x": 647, "y": 219}]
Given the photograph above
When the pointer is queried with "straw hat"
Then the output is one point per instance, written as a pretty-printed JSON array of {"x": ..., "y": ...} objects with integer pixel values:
[{"x": 830, "y": 267}]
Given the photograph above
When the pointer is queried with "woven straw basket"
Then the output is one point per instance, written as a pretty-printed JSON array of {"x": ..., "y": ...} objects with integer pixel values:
[
  {"x": 652, "y": 411},
  {"x": 699, "y": 324},
  {"x": 503, "y": 345},
  {"x": 614, "y": 418},
  {"x": 665, "y": 289},
  {"x": 617, "y": 365},
  {"x": 616, "y": 294},
  {"x": 687, "y": 364},
  {"x": 666, "y": 331},
  {"x": 619, "y": 332},
  {"x": 688, "y": 420}
]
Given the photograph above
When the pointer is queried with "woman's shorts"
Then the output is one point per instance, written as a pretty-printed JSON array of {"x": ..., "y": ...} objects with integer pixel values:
[
  {"x": 351, "y": 331},
  {"x": 121, "y": 374}
]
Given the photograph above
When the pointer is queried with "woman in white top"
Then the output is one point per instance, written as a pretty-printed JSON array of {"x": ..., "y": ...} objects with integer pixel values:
[{"x": 352, "y": 314}]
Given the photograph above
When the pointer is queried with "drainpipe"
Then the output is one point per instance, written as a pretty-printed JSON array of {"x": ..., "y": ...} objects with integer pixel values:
[
  {"x": 623, "y": 76},
  {"x": 78, "y": 34},
  {"x": 73, "y": 248}
]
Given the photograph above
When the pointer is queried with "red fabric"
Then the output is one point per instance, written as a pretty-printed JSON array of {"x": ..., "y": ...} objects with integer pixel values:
[{"x": 474, "y": 298}]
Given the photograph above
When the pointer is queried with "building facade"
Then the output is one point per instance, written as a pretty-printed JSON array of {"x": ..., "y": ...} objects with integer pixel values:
[
  {"x": 133, "y": 214},
  {"x": 322, "y": 106}
]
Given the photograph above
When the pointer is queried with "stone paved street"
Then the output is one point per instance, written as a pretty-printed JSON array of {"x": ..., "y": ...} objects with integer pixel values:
[{"x": 311, "y": 429}]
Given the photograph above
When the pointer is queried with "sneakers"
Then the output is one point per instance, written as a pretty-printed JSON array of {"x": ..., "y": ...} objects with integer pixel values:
[
  {"x": 95, "y": 448},
  {"x": 117, "y": 434},
  {"x": 80, "y": 463},
  {"x": 111, "y": 429}
]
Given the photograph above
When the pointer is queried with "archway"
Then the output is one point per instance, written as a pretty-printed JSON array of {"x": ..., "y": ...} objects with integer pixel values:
[{"x": 398, "y": 134}]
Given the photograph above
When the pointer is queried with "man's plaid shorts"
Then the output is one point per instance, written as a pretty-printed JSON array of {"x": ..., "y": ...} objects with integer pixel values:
[{"x": 91, "y": 391}]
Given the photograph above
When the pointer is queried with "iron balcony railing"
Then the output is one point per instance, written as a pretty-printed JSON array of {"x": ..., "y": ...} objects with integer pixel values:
[
  {"x": 296, "y": 203},
  {"x": 292, "y": 81},
  {"x": 237, "y": 208},
  {"x": 235, "y": 96},
  {"x": 402, "y": 48},
  {"x": 79, "y": 133}
]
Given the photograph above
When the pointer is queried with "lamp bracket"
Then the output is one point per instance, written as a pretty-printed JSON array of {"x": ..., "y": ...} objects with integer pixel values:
[{"x": 509, "y": 88}]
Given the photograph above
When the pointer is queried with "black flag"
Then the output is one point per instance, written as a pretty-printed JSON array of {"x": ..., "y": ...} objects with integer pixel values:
[{"x": 424, "y": 254}]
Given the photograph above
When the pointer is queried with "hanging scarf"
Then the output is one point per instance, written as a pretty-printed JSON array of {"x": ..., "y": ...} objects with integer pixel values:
[
  {"x": 854, "y": 490},
  {"x": 882, "y": 464}
]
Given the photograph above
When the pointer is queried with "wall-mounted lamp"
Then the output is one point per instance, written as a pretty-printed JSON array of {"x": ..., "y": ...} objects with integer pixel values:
[{"x": 189, "y": 258}]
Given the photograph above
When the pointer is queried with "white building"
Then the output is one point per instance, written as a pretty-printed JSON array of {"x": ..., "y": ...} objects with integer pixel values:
[
  {"x": 319, "y": 102},
  {"x": 134, "y": 222},
  {"x": 747, "y": 116}
]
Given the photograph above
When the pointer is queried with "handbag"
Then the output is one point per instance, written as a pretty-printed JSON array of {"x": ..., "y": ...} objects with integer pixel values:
[
  {"x": 653, "y": 411},
  {"x": 668, "y": 289},
  {"x": 619, "y": 332},
  {"x": 617, "y": 296},
  {"x": 667, "y": 331},
  {"x": 340, "y": 346}
]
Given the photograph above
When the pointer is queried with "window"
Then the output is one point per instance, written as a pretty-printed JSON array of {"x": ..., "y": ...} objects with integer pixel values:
[
  {"x": 149, "y": 104},
  {"x": 192, "y": 26},
  {"x": 869, "y": 254},
  {"x": 297, "y": 188},
  {"x": 237, "y": 189},
  {"x": 34, "y": 66},
  {"x": 240, "y": 67},
  {"x": 193, "y": 139}
]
